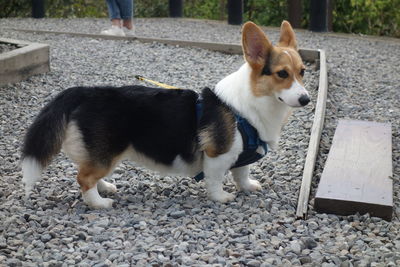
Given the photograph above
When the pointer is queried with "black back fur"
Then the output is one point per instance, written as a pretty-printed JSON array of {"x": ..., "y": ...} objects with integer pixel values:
[{"x": 159, "y": 123}]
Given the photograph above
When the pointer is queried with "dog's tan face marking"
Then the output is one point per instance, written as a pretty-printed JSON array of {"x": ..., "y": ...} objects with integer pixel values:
[
  {"x": 283, "y": 67},
  {"x": 275, "y": 69}
]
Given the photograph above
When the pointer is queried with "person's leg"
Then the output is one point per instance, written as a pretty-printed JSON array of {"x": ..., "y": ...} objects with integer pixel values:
[
  {"x": 114, "y": 12},
  {"x": 126, "y": 9},
  {"x": 127, "y": 23}
]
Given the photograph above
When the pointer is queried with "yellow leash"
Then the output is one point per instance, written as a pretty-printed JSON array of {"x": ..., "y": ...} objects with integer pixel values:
[{"x": 162, "y": 85}]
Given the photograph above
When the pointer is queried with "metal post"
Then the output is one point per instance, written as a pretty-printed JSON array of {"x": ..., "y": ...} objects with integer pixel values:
[
  {"x": 295, "y": 13},
  {"x": 331, "y": 6},
  {"x": 235, "y": 12},
  {"x": 176, "y": 8},
  {"x": 38, "y": 9},
  {"x": 321, "y": 15}
]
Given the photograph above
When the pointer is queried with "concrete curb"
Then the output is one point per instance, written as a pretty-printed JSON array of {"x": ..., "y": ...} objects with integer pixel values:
[{"x": 21, "y": 63}]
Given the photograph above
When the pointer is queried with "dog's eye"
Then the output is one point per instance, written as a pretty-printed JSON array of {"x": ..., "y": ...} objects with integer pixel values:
[
  {"x": 302, "y": 72},
  {"x": 283, "y": 74}
]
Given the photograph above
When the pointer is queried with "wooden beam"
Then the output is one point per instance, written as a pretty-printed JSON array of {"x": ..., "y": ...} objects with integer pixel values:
[
  {"x": 310, "y": 55},
  {"x": 358, "y": 171},
  {"x": 218, "y": 47},
  {"x": 312, "y": 152}
]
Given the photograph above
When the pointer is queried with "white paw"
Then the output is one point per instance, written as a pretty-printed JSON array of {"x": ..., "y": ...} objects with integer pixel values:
[
  {"x": 92, "y": 198},
  {"x": 222, "y": 196},
  {"x": 273, "y": 145},
  {"x": 106, "y": 187},
  {"x": 250, "y": 185},
  {"x": 103, "y": 203}
]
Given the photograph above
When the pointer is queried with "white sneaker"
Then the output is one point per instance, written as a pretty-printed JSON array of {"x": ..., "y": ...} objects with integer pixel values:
[
  {"x": 129, "y": 32},
  {"x": 114, "y": 30}
]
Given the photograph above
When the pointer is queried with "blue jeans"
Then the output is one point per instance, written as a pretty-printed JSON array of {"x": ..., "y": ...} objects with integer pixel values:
[{"x": 120, "y": 9}]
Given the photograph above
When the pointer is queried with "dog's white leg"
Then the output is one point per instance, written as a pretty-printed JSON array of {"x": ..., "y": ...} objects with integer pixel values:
[
  {"x": 243, "y": 182},
  {"x": 92, "y": 198},
  {"x": 88, "y": 177},
  {"x": 214, "y": 171},
  {"x": 106, "y": 187}
]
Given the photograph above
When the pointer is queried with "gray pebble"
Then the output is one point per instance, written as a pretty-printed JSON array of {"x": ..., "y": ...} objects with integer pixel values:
[
  {"x": 310, "y": 243},
  {"x": 45, "y": 237},
  {"x": 178, "y": 214},
  {"x": 295, "y": 246},
  {"x": 253, "y": 263}
]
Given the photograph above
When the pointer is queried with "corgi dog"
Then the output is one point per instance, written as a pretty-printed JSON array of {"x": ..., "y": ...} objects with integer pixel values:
[{"x": 177, "y": 132}]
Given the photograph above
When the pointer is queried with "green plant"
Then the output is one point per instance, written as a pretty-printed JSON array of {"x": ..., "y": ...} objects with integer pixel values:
[
  {"x": 151, "y": 8},
  {"x": 376, "y": 17},
  {"x": 75, "y": 8},
  {"x": 265, "y": 12},
  {"x": 202, "y": 9},
  {"x": 15, "y": 8}
]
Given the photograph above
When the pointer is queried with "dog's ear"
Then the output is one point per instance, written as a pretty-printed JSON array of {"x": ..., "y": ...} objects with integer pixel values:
[
  {"x": 256, "y": 46},
  {"x": 288, "y": 38}
]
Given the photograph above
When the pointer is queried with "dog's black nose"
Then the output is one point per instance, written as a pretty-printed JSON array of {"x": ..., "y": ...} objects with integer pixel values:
[{"x": 304, "y": 100}]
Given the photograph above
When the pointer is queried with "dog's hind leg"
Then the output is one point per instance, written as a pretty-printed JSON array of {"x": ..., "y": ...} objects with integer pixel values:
[
  {"x": 88, "y": 177},
  {"x": 242, "y": 180}
]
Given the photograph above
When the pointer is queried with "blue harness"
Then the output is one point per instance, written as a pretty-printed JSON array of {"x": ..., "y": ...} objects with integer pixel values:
[{"x": 253, "y": 147}]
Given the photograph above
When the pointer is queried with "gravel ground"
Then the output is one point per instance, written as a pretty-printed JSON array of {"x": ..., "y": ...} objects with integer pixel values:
[
  {"x": 7, "y": 47},
  {"x": 167, "y": 220}
]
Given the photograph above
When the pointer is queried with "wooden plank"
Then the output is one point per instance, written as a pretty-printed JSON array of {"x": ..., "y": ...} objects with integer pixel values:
[
  {"x": 358, "y": 171},
  {"x": 312, "y": 152},
  {"x": 219, "y": 47},
  {"x": 310, "y": 55}
]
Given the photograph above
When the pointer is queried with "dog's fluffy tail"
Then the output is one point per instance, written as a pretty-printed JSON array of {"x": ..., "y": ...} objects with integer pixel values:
[{"x": 45, "y": 136}]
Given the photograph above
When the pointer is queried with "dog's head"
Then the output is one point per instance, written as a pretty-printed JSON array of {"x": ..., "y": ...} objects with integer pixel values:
[{"x": 275, "y": 70}]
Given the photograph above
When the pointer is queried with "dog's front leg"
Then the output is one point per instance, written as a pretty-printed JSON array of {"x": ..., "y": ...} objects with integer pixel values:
[
  {"x": 242, "y": 180},
  {"x": 215, "y": 169}
]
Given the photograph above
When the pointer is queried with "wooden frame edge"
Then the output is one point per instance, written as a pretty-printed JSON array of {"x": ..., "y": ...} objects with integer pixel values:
[
  {"x": 28, "y": 59},
  {"x": 313, "y": 146},
  {"x": 310, "y": 55}
]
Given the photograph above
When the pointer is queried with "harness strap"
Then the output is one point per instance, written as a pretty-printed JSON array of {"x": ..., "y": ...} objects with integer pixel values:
[{"x": 253, "y": 147}]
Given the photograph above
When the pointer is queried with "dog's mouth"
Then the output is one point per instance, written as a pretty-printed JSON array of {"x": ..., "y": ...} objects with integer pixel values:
[{"x": 300, "y": 102}]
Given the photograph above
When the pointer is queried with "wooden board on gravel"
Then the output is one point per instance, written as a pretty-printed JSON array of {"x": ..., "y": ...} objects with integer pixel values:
[{"x": 358, "y": 172}]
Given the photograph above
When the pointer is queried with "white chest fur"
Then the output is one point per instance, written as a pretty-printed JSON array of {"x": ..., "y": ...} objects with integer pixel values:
[{"x": 265, "y": 113}]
